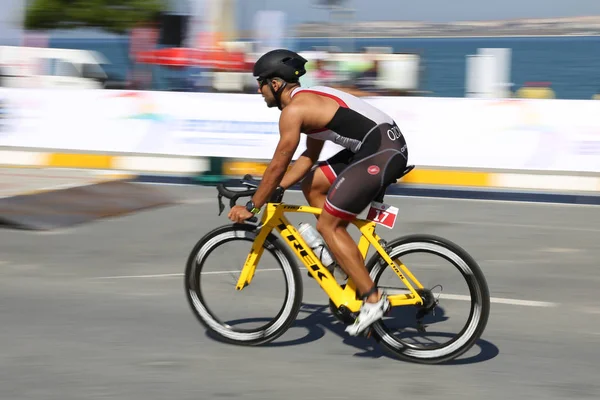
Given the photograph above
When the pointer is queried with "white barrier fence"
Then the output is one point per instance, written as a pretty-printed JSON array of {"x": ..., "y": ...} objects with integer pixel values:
[{"x": 521, "y": 134}]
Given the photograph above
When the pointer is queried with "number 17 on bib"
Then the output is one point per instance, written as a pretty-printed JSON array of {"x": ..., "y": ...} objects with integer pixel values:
[{"x": 382, "y": 214}]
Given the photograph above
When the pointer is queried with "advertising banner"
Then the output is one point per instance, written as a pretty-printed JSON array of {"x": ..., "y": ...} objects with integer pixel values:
[
  {"x": 520, "y": 134},
  {"x": 168, "y": 123},
  {"x": 550, "y": 135}
]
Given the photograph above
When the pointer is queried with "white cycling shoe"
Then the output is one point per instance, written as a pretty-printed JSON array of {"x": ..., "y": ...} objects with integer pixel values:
[{"x": 369, "y": 313}]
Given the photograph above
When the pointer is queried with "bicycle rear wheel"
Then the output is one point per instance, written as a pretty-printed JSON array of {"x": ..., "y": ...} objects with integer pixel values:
[
  {"x": 477, "y": 294},
  {"x": 198, "y": 281}
]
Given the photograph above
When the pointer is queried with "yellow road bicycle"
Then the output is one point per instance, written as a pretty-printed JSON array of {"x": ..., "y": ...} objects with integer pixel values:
[{"x": 344, "y": 302}]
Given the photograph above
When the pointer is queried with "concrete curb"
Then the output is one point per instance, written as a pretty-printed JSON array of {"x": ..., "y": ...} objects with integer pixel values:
[
  {"x": 424, "y": 180},
  {"x": 118, "y": 162}
]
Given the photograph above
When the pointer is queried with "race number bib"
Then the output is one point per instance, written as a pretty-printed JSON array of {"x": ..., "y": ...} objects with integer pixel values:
[{"x": 382, "y": 214}]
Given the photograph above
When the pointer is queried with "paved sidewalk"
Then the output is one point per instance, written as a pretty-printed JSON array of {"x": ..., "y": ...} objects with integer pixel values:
[
  {"x": 47, "y": 199},
  {"x": 18, "y": 181}
]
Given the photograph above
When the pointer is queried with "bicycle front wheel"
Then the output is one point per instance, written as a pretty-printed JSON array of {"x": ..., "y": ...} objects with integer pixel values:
[
  {"x": 211, "y": 274},
  {"x": 416, "y": 333}
]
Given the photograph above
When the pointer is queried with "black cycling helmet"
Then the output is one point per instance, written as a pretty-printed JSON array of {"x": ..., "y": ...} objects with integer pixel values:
[{"x": 280, "y": 63}]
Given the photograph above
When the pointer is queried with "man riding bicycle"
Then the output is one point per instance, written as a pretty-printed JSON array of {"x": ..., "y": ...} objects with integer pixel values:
[{"x": 374, "y": 155}]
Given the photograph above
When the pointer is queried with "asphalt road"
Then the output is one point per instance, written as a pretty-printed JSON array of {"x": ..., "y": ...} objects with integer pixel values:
[{"x": 98, "y": 311}]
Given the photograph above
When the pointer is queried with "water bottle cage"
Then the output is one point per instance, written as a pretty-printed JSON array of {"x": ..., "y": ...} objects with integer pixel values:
[
  {"x": 319, "y": 250},
  {"x": 316, "y": 243}
]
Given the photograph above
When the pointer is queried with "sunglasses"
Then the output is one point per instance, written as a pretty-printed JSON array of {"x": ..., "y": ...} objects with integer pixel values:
[{"x": 262, "y": 82}]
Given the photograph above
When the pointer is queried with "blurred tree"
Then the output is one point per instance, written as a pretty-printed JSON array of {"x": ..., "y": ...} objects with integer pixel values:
[{"x": 115, "y": 16}]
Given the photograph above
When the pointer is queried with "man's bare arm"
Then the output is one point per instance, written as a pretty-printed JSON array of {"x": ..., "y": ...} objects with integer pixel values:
[
  {"x": 304, "y": 163},
  {"x": 289, "y": 128}
]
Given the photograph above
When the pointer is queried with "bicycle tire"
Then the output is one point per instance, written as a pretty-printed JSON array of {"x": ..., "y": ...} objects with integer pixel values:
[
  {"x": 221, "y": 331},
  {"x": 480, "y": 298}
]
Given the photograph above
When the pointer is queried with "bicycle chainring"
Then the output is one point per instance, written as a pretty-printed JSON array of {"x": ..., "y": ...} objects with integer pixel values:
[{"x": 429, "y": 304}]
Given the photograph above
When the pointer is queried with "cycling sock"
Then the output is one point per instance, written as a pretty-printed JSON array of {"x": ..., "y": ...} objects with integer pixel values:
[{"x": 373, "y": 290}]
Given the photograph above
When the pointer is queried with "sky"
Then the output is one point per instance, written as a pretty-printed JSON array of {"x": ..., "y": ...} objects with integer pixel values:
[{"x": 298, "y": 11}]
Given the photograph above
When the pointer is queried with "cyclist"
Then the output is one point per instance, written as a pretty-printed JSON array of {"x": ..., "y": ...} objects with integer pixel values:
[{"x": 374, "y": 155}]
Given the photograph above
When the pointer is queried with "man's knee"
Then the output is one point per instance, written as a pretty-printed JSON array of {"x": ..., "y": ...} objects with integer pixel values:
[
  {"x": 329, "y": 226},
  {"x": 325, "y": 227}
]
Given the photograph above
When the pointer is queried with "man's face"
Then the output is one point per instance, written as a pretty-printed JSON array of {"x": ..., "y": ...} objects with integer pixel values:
[{"x": 263, "y": 88}]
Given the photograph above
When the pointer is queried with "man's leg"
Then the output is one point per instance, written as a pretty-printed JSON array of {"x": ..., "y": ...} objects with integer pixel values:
[
  {"x": 351, "y": 192},
  {"x": 315, "y": 187},
  {"x": 317, "y": 182},
  {"x": 375, "y": 305},
  {"x": 345, "y": 251}
]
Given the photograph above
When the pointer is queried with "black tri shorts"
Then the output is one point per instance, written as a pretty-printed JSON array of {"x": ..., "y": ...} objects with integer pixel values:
[{"x": 357, "y": 178}]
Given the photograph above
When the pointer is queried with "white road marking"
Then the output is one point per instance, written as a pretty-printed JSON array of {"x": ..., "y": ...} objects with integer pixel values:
[
  {"x": 560, "y": 250},
  {"x": 137, "y": 276},
  {"x": 192, "y": 200},
  {"x": 179, "y": 274},
  {"x": 529, "y": 226},
  {"x": 499, "y": 300},
  {"x": 591, "y": 310}
]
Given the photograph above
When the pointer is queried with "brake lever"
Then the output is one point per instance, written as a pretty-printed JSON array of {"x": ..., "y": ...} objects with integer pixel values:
[
  {"x": 249, "y": 184},
  {"x": 221, "y": 205}
]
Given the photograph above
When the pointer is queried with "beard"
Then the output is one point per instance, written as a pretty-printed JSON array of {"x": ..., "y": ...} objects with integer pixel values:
[{"x": 271, "y": 102}]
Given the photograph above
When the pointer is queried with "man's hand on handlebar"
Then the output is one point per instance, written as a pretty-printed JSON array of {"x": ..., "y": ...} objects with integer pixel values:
[{"x": 239, "y": 214}]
